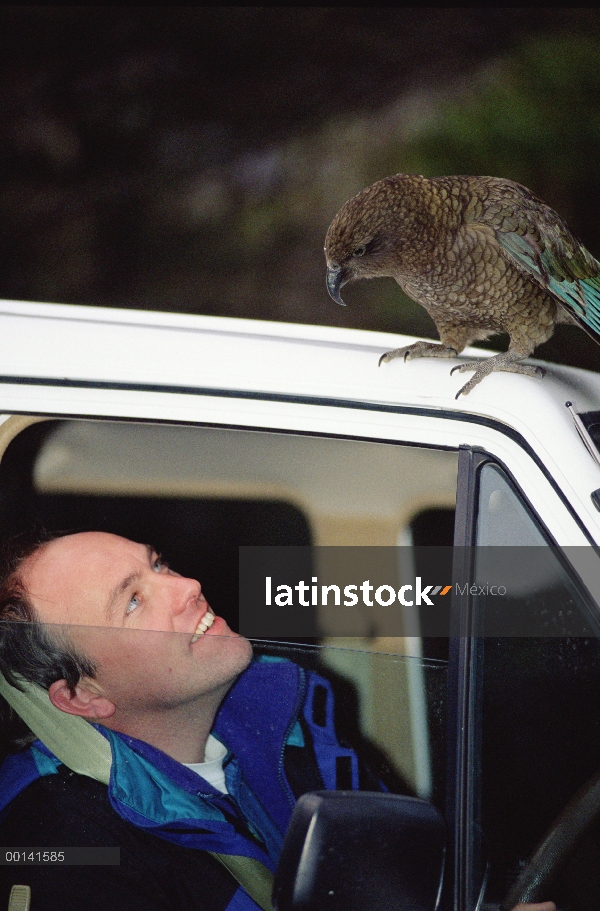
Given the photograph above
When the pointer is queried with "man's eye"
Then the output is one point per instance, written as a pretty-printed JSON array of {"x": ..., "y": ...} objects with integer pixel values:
[
  {"x": 159, "y": 565},
  {"x": 133, "y": 603}
]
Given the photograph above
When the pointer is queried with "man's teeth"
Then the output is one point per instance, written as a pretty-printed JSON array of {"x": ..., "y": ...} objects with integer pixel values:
[{"x": 207, "y": 621}]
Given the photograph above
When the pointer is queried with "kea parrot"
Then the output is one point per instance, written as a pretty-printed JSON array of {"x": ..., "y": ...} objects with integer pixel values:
[{"x": 483, "y": 255}]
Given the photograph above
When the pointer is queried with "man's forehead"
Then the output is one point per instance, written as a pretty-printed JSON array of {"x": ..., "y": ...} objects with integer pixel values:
[
  {"x": 74, "y": 575},
  {"x": 71, "y": 553},
  {"x": 92, "y": 542}
]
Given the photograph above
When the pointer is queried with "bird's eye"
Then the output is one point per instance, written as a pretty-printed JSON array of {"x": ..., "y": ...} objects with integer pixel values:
[{"x": 359, "y": 251}]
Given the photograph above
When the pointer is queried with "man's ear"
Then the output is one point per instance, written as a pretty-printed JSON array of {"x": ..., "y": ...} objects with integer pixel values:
[{"x": 87, "y": 701}]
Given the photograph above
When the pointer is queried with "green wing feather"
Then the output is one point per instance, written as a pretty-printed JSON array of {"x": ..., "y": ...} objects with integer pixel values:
[
  {"x": 540, "y": 244},
  {"x": 576, "y": 282}
]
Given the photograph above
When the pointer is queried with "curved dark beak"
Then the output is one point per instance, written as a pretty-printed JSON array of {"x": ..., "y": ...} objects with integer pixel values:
[{"x": 335, "y": 279}]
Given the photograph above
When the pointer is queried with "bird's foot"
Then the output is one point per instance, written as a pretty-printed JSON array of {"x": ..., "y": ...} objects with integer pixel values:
[
  {"x": 505, "y": 362},
  {"x": 418, "y": 349}
]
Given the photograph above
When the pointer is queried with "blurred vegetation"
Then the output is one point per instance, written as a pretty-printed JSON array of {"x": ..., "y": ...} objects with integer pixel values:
[
  {"x": 533, "y": 116},
  {"x": 191, "y": 160}
]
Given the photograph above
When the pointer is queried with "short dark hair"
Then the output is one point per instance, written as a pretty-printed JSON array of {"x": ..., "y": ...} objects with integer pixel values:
[{"x": 27, "y": 647}]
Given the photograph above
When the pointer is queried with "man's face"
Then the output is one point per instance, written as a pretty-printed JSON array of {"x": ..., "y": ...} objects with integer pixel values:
[{"x": 145, "y": 626}]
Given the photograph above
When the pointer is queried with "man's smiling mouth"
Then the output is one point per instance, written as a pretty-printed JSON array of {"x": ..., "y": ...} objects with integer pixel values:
[{"x": 207, "y": 621}]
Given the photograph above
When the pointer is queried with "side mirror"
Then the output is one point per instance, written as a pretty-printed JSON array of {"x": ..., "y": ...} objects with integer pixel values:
[{"x": 359, "y": 851}]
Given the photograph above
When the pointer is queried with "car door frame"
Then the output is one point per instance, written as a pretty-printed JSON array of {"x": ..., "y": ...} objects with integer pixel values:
[{"x": 404, "y": 425}]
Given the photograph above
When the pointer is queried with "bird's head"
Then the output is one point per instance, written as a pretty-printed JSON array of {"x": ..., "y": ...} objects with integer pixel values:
[{"x": 364, "y": 239}]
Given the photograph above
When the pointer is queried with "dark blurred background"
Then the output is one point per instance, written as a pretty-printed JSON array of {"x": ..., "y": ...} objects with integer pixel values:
[{"x": 178, "y": 158}]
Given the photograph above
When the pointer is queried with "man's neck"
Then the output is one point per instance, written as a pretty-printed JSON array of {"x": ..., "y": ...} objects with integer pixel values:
[{"x": 180, "y": 732}]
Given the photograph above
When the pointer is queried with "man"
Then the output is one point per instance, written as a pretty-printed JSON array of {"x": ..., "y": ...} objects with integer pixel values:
[{"x": 210, "y": 750}]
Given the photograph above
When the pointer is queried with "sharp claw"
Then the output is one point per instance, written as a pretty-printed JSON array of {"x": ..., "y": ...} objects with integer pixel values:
[
  {"x": 464, "y": 390},
  {"x": 455, "y": 368},
  {"x": 380, "y": 361},
  {"x": 405, "y": 356}
]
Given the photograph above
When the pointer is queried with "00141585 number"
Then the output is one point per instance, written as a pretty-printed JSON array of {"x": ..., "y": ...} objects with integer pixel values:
[
  {"x": 33, "y": 856},
  {"x": 96, "y": 856}
]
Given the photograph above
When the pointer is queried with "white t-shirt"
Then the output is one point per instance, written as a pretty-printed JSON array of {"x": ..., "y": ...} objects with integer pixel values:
[{"x": 212, "y": 767}]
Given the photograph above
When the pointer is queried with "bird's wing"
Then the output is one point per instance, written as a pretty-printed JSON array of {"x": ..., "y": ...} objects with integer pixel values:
[{"x": 539, "y": 243}]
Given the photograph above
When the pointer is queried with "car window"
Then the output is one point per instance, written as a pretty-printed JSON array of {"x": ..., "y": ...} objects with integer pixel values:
[
  {"x": 385, "y": 699},
  {"x": 536, "y": 725},
  {"x": 540, "y": 743},
  {"x": 503, "y": 518},
  {"x": 198, "y": 493}
]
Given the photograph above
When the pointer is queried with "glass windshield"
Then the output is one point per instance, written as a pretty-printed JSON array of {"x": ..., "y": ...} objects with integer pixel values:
[{"x": 537, "y": 713}]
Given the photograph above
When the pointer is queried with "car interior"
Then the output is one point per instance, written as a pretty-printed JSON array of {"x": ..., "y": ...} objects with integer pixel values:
[{"x": 199, "y": 493}]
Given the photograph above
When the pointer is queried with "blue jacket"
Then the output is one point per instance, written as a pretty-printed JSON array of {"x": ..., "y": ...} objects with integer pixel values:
[{"x": 273, "y": 704}]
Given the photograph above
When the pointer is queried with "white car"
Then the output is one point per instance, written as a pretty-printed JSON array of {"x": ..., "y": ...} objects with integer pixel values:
[{"x": 212, "y": 433}]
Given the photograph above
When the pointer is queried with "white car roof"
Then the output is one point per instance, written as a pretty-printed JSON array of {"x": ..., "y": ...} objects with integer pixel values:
[
  {"x": 254, "y": 356},
  {"x": 55, "y": 345}
]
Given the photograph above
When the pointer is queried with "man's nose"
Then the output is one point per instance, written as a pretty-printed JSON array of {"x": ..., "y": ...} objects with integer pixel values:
[{"x": 184, "y": 593}]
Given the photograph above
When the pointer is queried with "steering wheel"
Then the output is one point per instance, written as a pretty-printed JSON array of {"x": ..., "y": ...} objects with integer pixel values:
[{"x": 557, "y": 846}]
